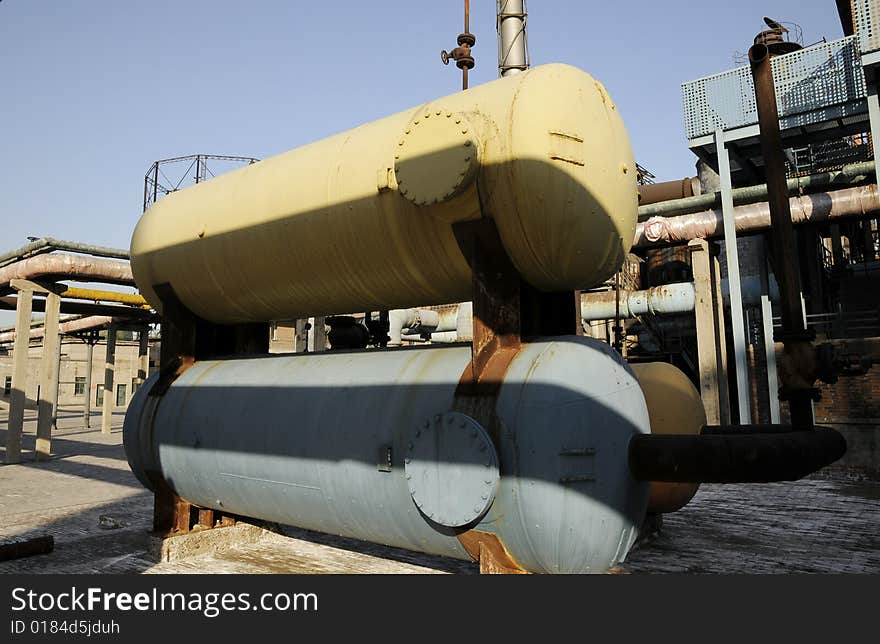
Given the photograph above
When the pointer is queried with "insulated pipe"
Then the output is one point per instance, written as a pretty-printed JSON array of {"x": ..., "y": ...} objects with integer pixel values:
[
  {"x": 512, "y": 48},
  {"x": 815, "y": 208},
  {"x": 414, "y": 321},
  {"x": 72, "y": 267},
  {"x": 80, "y": 324},
  {"x": 751, "y": 194},
  {"x": 48, "y": 244},
  {"x": 85, "y": 308},
  {"x": 668, "y": 190},
  {"x": 740, "y": 454},
  {"x": 95, "y": 295},
  {"x": 659, "y": 300}
]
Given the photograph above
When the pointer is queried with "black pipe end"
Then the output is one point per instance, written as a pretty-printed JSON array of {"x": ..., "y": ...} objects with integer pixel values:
[
  {"x": 757, "y": 454},
  {"x": 758, "y": 53}
]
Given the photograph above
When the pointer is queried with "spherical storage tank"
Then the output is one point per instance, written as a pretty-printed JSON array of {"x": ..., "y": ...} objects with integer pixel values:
[
  {"x": 369, "y": 215},
  {"x": 369, "y": 445}
]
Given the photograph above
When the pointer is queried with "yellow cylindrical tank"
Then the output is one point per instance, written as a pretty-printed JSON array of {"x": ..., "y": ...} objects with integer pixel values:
[
  {"x": 364, "y": 220},
  {"x": 674, "y": 407}
]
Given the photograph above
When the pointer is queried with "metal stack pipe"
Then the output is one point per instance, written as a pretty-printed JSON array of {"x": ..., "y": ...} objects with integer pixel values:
[
  {"x": 512, "y": 48},
  {"x": 798, "y": 373}
]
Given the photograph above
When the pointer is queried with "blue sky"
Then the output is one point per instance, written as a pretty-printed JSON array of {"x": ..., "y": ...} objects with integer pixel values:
[{"x": 93, "y": 91}]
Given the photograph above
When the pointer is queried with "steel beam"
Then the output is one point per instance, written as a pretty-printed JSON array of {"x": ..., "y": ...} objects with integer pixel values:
[
  {"x": 733, "y": 280},
  {"x": 770, "y": 354}
]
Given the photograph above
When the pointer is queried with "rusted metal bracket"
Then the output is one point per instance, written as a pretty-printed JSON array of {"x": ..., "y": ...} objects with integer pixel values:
[
  {"x": 489, "y": 551},
  {"x": 187, "y": 338},
  {"x": 506, "y": 313}
]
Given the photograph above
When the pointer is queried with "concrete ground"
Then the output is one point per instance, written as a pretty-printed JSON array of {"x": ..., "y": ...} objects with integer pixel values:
[{"x": 100, "y": 516}]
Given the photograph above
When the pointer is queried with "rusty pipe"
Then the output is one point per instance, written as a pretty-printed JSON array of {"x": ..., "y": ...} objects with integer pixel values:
[
  {"x": 798, "y": 371},
  {"x": 669, "y": 190},
  {"x": 753, "y": 218},
  {"x": 735, "y": 454}
]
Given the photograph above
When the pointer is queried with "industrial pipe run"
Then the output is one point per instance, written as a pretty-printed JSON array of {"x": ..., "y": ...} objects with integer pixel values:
[
  {"x": 658, "y": 300},
  {"x": 752, "y": 218},
  {"x": 522, "y": 450}
]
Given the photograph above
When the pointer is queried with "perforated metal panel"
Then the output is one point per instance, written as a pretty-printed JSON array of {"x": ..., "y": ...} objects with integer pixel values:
[
  {"x": 866, "y": 20},
  {"x": 813, "y": 85}
]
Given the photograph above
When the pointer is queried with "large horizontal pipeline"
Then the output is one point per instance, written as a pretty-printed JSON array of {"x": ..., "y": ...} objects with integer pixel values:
[
  {"x": 48, "y": 244},
  {"x": 814, "y": 208},
  {"x": 751, "y": 194},
  {"x": 747, "y": 454},
  {"x": 71, "y": 267},
  {"x": 78, "y": 307},
  {"x": 95, "y": 295},
  {"x": 73, "y": 326},
  {"x": 659, "y": 300},
  {"x": 448, "y": 323}
]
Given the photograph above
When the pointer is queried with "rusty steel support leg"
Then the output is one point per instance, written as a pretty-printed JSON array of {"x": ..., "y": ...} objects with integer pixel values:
[
  {"x": 171, "y": 514},
  {"x": 185, "y": 339},
  {"x": 506, "y": 311},
  {"x": 497, "y": 292},
  {"x": 206, "y": 518},
  {"x": 798, "y": 369}
]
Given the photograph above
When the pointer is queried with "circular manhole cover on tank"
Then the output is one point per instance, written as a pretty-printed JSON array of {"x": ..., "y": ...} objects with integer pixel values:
[{"x": 452, "y": 469}]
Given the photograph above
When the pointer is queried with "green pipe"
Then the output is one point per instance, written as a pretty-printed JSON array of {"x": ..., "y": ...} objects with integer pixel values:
[
  {"x": 751, "y": 194},
  {"x": 48, "y": 244}
]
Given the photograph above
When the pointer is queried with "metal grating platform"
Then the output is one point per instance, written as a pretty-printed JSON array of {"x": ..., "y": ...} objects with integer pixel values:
[{"x": 817, "y": 84}]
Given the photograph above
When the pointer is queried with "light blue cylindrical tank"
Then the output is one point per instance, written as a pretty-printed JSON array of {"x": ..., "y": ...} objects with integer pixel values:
[{"x": 366, "y": 445}]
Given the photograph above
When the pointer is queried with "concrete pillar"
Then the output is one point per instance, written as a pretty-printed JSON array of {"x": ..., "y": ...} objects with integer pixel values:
[
  {"x": 318, "y": 335},
  {"x": 109, "y": 368},
  {"x": 301, "y": 339},
  {"x": 143, "y": 355},
  {"x": 23, "y": 309},
  {"x": 87, "y": 406},
  {"x": 48, "y": 378},
  {"x": 704, "y": 313}
]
